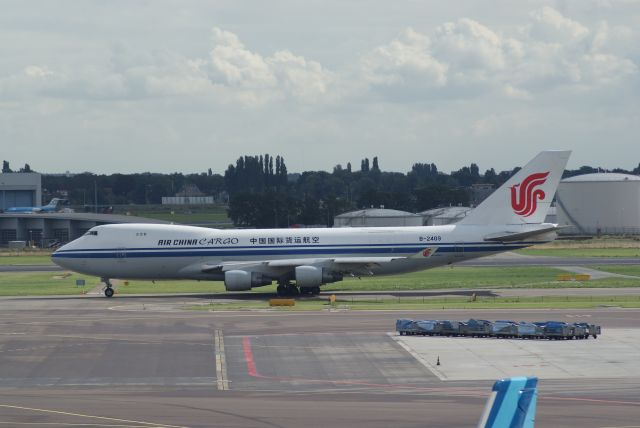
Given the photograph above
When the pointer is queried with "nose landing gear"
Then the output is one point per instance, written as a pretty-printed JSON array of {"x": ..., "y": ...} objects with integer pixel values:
[{"x": 108, "y": 287}]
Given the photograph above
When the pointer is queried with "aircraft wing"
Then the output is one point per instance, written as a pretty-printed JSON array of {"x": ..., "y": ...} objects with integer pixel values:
[
  {"x": 337, "y": 264},
  {"x": 348, "y": 265}
]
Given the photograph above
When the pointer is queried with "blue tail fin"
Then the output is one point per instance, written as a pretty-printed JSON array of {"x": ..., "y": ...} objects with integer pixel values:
[{"x": 512, "y": 404}]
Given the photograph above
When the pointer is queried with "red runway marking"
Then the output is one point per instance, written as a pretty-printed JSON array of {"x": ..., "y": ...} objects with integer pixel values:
[
  {"x": 253, "y": 372},
  {"x": 248, "y": 357}
]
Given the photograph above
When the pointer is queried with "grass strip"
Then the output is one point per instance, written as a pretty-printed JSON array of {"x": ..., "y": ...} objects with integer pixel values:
[
  {"x": 581, "y": 252},
  {"x": 412, "y": 303},
  {"x": 43, "y": 283},
  {"x": 47, "y": 283},
  {"x": 633, "y": 270}
]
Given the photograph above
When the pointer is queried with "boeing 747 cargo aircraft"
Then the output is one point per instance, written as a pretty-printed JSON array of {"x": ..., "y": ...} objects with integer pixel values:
[{"x": 301, "y": 260}]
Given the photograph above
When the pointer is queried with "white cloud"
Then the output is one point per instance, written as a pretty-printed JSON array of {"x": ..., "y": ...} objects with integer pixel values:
[
  {"x": 515, "y": 93},
  {"x": 232, "y": 64},
  {"x": 260, "y": 79},
  {"x": 36, "y": 71},
  {"x": 305, "y": 80},
  {"x": 406, "y": 61},
  {"x": 466, "y": 58},
  {"x": 231, "y": 73},
  {"x": 467, "y": 44},
  {"x": 550, "y": 25}
]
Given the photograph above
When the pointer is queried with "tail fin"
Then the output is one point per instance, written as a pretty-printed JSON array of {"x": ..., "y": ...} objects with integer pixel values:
[
  {"x": 525, "y": 197},
  {"x": 512, "y": 404},
  {"x": 53, "y": 203}
]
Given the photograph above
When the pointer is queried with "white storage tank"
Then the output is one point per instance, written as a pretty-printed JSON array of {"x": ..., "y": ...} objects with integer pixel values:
[{"x": 601, "y": 203}]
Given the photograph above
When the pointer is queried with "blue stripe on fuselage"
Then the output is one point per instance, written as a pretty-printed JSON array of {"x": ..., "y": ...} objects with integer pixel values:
[
  {"x": 275, "y": 251},
  {"x": 421, "y": 246}
]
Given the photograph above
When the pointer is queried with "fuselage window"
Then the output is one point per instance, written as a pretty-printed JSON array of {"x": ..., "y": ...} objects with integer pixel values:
[{"x": 91, "y": 233}]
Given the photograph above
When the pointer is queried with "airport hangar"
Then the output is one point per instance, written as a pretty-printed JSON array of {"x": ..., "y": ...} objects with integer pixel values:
[{"x": 20, "y": 189}]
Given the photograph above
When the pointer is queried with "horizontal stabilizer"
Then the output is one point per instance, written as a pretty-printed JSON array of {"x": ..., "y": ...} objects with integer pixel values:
[{"x": 519, "y": 236}]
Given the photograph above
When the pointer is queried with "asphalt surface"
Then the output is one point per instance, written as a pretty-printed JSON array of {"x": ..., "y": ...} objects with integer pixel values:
[{"x": 140, "y": 362}]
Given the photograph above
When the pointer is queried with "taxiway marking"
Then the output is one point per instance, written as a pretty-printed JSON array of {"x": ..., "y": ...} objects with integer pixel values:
[
  {"x": 59, "y": 412},
  {"x": 221, "y": 363}
]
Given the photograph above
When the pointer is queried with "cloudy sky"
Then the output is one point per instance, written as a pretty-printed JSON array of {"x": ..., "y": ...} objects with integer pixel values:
[{"x": 163, "y": 86}]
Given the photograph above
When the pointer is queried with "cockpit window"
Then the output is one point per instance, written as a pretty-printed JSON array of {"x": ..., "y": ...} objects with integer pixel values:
[{"x": 91, "y": 233}]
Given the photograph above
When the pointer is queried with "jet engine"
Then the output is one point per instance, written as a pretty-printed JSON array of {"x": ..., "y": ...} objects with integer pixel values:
[
  {"x": 240, "y": 280},
  {"x": 312, "y": 276}
]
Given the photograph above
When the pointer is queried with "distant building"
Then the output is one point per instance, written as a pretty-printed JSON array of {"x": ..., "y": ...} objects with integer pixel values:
[
  {"x": 190, "y": 194},
  {"x": 20, "y": 189},
  {"x": 377, "y": 217},
  {"x": 444, "y": 215},
  {"x": 188, "y": 200},
  {"x": 480, "y": 192},
  {"x": 190, "y": 190},
  {"x": 600, "y": 203}
]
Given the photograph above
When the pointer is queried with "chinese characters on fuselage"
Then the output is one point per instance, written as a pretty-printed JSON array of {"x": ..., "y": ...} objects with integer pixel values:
[{"x": 285, "y": 240}]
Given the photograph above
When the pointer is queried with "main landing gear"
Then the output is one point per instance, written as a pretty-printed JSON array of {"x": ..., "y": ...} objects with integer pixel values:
[
  {"x": 313, "y": 291},
  {"x": 108, "y": 287},
  {"x": 286, "y": 289}
]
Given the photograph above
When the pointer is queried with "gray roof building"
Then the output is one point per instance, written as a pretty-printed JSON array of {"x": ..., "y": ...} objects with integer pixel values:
[{"x": 377, "y": 217}]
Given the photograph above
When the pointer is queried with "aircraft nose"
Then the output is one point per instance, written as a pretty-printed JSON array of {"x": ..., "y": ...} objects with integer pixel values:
[{"x": 60, "y": 257}]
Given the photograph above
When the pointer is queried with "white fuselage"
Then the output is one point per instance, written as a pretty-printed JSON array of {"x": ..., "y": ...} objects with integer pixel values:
[{"x": 146, "y": 251}]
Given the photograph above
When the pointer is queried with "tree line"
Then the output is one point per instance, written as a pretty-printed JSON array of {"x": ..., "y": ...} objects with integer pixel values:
[{"x": 262, "y": 193}]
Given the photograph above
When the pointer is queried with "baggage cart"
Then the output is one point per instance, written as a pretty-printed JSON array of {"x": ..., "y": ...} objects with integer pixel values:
[
  {"x": 504, "y": 329},
  {"x": 476, "y": 328},
  {"x": 428, "y": 327}
]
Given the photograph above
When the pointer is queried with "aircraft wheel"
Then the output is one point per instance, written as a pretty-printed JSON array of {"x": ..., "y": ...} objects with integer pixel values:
[
  {"x": 292, "y": 290},
  {"x": 281, "y": 290},
  {"x": 315, "y": 291},
  {"x": 108, "y": 292}
]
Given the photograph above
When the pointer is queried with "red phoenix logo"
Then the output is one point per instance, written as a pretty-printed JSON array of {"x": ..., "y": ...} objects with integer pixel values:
[{"x": 525, "y": 196}]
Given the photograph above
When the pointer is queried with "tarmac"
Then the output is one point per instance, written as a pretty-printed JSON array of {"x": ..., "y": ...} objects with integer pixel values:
[{"x": 129, "y": 362}]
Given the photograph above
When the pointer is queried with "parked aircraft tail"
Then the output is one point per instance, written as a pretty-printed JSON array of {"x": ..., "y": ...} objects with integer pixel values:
[
  {"x": 512, "y": 404},
  {"x": 525, "y": 197},
  {"x": 54, "y": 205}
]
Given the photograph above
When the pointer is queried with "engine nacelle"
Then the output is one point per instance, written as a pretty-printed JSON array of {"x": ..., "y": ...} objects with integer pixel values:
[
  {"x": 312, "y": 276},
  {"x": 240, "y": 280}
]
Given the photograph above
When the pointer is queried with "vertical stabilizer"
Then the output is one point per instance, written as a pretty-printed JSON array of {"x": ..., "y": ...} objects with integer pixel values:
[
  {"x": 53, "y": 203},
  {"x": 525, "y": 197},
  {"x": 512, "y": 404}
]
